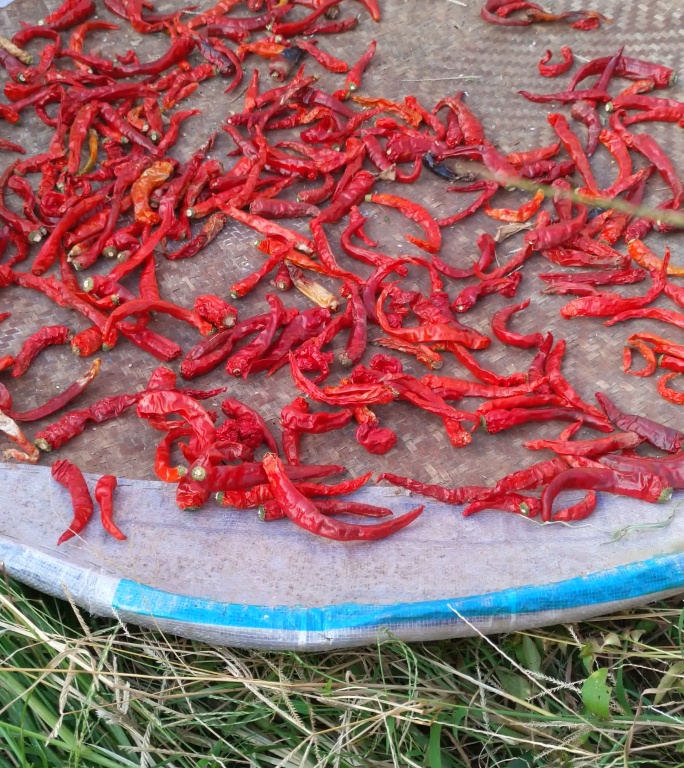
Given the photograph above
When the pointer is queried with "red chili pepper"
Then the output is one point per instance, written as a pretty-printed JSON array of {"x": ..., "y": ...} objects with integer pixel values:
[
  {"x": 666, "y": 392},
  {"x": 71, "y": 477},
  {"x": 468, "y": 297},
  {"x": 499, "y": 320},
  {"x": 528, "y": 506},
  {"x": 48, "y": 336},
  {"x": 416, "y": 213},
  {"x": 104, "y": 492},
  {"x": 636, "y": 484},
  {"x": 659, "y": 435},
  {"x": 60, "y": 400},
  {"x": 553, "y": 70},
  {"x": 499, "y": 420},
  {"x": 304, "y": 513},
  {"x": 649, "y": 356},
  {"x": 615, "y": 442},
  {"x": 605, "y": 304}
]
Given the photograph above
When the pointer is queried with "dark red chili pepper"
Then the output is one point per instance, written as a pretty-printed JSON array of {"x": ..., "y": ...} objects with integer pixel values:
[
  {"x": 635, "y": 484},
  {"x": 104, "y": 492},
  {"x": 661, "y": 436},
  {"x": 215, "y": 310},
  {"x": 71, "y": 477}
]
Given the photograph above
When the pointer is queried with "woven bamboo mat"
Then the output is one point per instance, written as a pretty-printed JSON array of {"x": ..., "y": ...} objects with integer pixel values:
[{"x": 428, "y": 48}]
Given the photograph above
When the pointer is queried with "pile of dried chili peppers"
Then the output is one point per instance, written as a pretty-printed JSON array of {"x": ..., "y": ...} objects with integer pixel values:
[{"x": 107, "y": 186}]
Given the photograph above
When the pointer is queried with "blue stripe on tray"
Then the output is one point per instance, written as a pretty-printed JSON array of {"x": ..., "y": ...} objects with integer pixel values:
[{"x": 626, "y": 582}]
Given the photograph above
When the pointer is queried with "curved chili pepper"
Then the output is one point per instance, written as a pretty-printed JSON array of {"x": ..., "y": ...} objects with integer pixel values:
[
  {"x": 60, "y": 400},
  {"x": 416, "y": 213},
  {"x": 648, "y": 354},
  {"x": 528, "y": 506},
  {"x": 553, "y": 70},
  {"x": 637, "y": 485},
  {"x": 304, "y": 513},
  {"x": 71, "y": 477},
  {"x": 104, "y": 492},
  {"x": 499, "y": 329},
  {"x": 48, "y": 336}
]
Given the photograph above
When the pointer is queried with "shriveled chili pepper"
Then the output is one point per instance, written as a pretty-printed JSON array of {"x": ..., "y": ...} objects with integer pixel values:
[
  {"x": 561, "y": 386},
  {"x": 304, "y": 513},
  {"x": 258, "y": 494},
  {"x": 649, "y": 356},
  {"x": 270, "y": 510},
  {"x": 667, "y": 392},
  {"x": 554, "y": 70},
  {"x": 104, "y": 493},
  {"x": 499, "y": 420},
  {"x": 48, "y": 336},
  {"x": 637, "y": 485},
  {"x": 417, "y": 213},
  {"x": 659, "y": 435},
  {"x": 59, "y": 401},
  {"x": 232, "y": 407},
  {"x": 468, "y": 297},
  {"x": 25, "y": 451},
  {"x": 71, "y": 477},
  {"x": 597, "y": 447},
  {"x": 516, "y": 503},
  {"x": 142, "y": 188},
  {"x": 517, "y": 215}
]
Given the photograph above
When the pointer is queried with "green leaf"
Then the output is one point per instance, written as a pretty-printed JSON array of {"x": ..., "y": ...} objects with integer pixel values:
[
  {"x": 516, "y": 685},
  {"x": 621, "y": 692},
  {"x": 587, "y": 655},
  {"x": 673, "y": 678},
  {"x": 531, "y": 654},
  {"x": 435, "y": 747},
  {"x": 596, "y": 694}
]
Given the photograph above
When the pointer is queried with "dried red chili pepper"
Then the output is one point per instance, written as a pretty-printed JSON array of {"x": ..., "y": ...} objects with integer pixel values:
[
  {"x": 528, "y": 506},
  {"x": 59, "y": 401},
  {"x": 499, "y": 329},
  {"x": 270, "y": 510},
  {"x": 666, "y": 392},
  {"x": 597, "y": 447},
  {"x": 304, "y": 513},
  {"x": 649, "y": 356},
  {"x": 637, "y": 485},
  {"x": 71, "y": 477},
  {"x": 498, "y": 420},
  {"x": 25, "y": 451},
  {"x": 416, "y": 213},
  {"x": 104, "y": 492},
  {"x": 48, "y": 336},
  {"x": 553, "y": 70},
  {"x": 659, "y": 435}
]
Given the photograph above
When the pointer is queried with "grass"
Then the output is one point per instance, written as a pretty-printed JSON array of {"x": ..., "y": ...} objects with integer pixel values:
[{"x": 79, "y": 691}]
